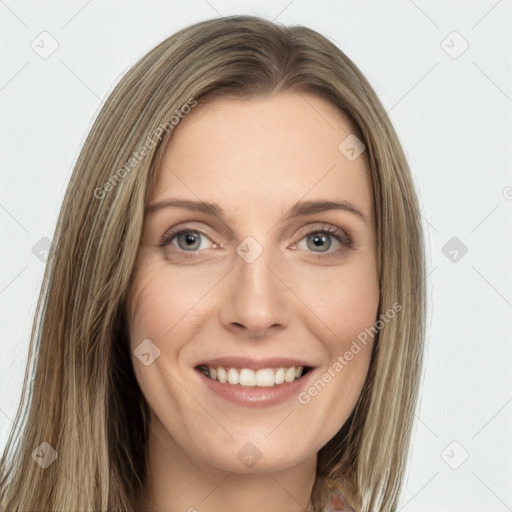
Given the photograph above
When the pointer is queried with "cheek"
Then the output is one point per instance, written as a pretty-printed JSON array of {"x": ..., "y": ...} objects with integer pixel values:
[
  {"x": 352, "y": 309},
  {"x": 164, "y": 307},
  {"x": 346, "y": 301},
  {"x": 343, "y": 300},
  {"x": 153, "y": 305},
  {"x": 165, "y": 301},
  {"x": 353, "y": 313}
]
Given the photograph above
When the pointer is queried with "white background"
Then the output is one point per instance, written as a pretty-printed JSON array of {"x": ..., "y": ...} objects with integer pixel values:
[{"x": 453, "y": 116}]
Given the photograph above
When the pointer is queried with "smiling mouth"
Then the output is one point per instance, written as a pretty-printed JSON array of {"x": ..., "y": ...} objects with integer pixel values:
[{"x": 246, "y": 377}]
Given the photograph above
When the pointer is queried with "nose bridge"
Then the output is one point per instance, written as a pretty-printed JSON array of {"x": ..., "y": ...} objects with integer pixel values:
[
  {"x": 257, "y": 299},
  {"x": 253, "y": 267}
]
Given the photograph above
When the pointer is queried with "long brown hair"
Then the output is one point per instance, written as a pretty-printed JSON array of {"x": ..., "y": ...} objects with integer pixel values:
[{"x": 80, "y": 395}]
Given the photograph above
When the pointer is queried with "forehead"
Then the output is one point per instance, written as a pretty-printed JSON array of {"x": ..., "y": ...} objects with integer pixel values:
[{"x": 262, "y": 152}]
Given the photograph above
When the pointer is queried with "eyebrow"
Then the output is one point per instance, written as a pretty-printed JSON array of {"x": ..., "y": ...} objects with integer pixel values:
[{"x": 297, "y": 210}]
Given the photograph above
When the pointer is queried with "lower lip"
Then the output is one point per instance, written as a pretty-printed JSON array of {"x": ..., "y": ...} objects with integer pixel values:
[{"x": 256, "y": 397}]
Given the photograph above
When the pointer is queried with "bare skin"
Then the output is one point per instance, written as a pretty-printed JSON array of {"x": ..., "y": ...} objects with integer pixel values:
[{"x": 255, "y": 158}]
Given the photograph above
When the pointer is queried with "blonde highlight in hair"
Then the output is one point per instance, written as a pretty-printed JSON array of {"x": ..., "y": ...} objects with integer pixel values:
[{"x": 80, "y": 394}]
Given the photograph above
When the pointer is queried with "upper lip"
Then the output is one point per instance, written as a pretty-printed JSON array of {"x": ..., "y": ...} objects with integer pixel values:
[{"x": 255, "y": 364}]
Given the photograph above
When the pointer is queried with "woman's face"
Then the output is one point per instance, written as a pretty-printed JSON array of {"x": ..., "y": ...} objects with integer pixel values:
[{"x": 255, "y": 283}]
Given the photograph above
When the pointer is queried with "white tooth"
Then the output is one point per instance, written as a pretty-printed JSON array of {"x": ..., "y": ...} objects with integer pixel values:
[
  {"x": 289, "y": 376},
  {"x": 222, "y": 376},
  {"x": 247, "y": 377},
  {"x": 265, "y": 377},
  {"x": 232, "y": 376},
  {"x": 279, "y": 376}
]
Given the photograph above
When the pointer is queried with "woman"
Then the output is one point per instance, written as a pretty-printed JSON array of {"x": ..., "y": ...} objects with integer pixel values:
[{"x": 232, "y": 315}]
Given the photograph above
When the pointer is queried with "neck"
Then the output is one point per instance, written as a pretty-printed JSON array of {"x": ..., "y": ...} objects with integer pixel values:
[{"x": 176, "y": 482}]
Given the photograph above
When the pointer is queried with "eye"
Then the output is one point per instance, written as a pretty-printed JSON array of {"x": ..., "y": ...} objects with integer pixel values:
[
  {"x": 186, "y": 239},
  {"x": 322, "y": 239}
]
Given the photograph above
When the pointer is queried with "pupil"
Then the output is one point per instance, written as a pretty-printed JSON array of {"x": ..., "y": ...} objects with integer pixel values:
[
  {"x": 318, "y": 240},
  {"x": 191, "y": 240}
]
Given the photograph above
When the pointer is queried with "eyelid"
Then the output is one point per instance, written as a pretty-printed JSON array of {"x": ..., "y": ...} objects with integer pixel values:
[{"x": 322, "y": 226}]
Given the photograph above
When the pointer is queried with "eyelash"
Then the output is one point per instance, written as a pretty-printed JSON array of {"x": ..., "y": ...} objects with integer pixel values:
[{"x": 335, "y": 232}]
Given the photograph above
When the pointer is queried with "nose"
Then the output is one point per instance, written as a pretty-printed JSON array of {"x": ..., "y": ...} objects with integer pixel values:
[{"x": 257, "y": 301}]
